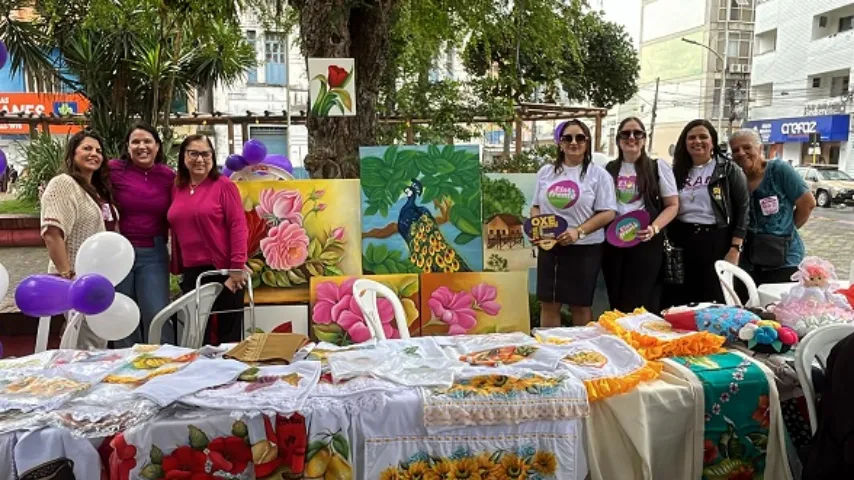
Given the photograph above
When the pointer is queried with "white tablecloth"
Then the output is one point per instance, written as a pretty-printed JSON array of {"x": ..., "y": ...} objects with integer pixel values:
[{"x": 772, "y": 292}]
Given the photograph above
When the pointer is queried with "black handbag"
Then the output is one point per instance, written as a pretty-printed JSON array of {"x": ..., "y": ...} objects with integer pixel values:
[
  {"x": 673, "y": 270},
  {"x": 766, "y": 250}
]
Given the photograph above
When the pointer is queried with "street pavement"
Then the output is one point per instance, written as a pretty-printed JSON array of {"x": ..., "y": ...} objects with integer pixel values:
[{"x": 828, "y": 234}]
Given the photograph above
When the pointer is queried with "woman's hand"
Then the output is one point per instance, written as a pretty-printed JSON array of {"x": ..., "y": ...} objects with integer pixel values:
[
  {"x": 732, "y": 256},
  {"x": 568, "y": 237},
  {"x": 647, "y": 233},
  {"x": 235, "y": 281}
]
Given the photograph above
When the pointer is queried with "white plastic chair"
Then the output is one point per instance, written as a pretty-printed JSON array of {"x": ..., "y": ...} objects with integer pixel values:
[
  {"x": 261, "y": 172},
  {"x": 726, "y": 271},
  {"x": 817, "y": 343},
  {"x": 192, "y": 333},
  {"x": 70, "y": 333},
  {"x": 365, "y": 292}
]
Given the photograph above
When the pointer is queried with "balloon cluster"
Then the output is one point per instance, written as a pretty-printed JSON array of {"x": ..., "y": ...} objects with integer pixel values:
[
  {"x": 255, "y": 153},
  {"x": 103, "y": 261}
]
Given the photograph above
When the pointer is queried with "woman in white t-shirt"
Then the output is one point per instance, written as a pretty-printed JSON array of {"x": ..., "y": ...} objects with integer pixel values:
[
  {"x": 583, "y": 194},
  {"x": 712, "y": 220},
  {"x": 632, "y": 274}
]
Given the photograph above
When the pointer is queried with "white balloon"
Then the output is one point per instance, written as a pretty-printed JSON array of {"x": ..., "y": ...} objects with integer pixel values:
[
  {"x": 118, "y": 321},
  {"x": 105, "y": 253},
  {"x": 4, "y": 281}
]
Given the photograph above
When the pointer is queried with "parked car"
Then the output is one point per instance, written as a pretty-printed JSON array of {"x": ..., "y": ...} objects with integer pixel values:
[{"x": 829, "y": 185}]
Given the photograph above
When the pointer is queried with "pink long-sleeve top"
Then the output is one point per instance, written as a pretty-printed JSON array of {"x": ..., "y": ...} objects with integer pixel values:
[
  {"x": 143, "y": 198},
  {"x": 208, "y": 226}
]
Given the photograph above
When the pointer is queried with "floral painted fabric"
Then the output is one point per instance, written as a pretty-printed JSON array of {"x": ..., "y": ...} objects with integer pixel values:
[
  {"x": 724, "y": 321},
  {"x": 152, "y": 361},
  {"x": 503, "y": 396},
  {"x": 503, "y": 349},
  {"x": 413, "y": 362},
  {"x": 564, "y": 335},
  {"x": 24, "y": 366},
  {"x": 737, "y": 415},
  {"x": 281, "y": 389}
]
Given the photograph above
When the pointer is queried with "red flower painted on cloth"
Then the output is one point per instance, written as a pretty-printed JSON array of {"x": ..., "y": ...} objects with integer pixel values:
[
  {"x": 762, "y": 412},
  {"x": 710, "y": 452},
  {"x": 229, "y": 454},
  {"x": 336, "y": 76},
  {"x": 125, "y": 455},
  {"x": 744, "y": 472},
  {"x": 184, "y": 460},
  {"x": 257, "y": 231},
  {"x": 290, "y": 438}
]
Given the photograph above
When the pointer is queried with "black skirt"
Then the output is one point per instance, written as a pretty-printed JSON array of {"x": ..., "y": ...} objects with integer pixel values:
[{"x": 567, "y": 275}]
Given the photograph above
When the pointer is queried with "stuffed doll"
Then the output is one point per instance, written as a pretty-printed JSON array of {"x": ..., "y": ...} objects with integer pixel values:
[{"x": 813, "y": 302}]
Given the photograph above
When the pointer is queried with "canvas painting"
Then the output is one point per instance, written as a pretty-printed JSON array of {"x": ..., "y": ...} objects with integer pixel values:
[
  {"x": 299, "y": 229},
  {"x": 507, "y": 201},
  {"x": 332, "y": 87},
  {"x": 336, "y": 317},
  {"x": 474, "y": 303},
  {"x": 421, "y": 209}
]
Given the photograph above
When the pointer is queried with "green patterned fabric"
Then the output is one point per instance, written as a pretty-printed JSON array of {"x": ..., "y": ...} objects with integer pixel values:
[{"x": 737, "y": 415}]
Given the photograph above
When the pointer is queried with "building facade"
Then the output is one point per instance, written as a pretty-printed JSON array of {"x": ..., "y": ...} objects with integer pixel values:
[
  {"x": 688, "y": 47},
  {"x": 801, "y": 100}
]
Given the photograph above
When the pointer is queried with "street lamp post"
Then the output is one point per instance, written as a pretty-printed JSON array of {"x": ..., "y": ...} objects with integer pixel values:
[{"x": 723, "y": 59}]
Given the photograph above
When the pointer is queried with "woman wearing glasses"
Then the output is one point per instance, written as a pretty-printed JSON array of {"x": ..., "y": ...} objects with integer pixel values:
[
  {"x": 583, "y": 194},
  {"x": 142, "y": 184},
  {"x": 712, "y": 220},
  {"x": 209, "y": 233},
  {"x": 632, "y": 274}
]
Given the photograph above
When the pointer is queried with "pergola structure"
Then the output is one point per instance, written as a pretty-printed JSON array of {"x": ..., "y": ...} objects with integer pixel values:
[{"x": 525, "y": 112}]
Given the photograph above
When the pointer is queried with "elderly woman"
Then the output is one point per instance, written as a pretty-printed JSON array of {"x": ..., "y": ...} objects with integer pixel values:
[
  {"x": 209, "y": 233},
  {"x": 780, "y": 204},
  {"x": 77, "y": 204}
]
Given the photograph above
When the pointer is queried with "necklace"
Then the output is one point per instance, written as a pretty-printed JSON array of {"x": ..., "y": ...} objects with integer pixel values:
[{"x": 193, "y": 188}]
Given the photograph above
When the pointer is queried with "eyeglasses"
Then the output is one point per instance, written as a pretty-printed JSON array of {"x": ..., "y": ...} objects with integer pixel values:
[
  {"x": 627, "y": 134},
  {"x": 195, "y": 154},
  {"x": 579, "y": 138}
]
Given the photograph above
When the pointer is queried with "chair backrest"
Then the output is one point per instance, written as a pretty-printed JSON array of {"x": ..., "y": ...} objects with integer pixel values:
[
  {"x": 365, "y": 292},
  {"x": 726, "y": 271},
  {"x": 72, "y": 331},
  {"x": 192, "y": 333},
  {"x": 260, "y": 173},
  {"x": 817, "y": 343}
]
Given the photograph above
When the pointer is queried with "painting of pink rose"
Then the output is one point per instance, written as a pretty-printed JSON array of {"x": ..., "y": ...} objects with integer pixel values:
[
  {"x": 285, "y": 247},
  {"x": 336, "y": 317},
  {"x": 474, "y": 303},
  {"x": 276, "y": 206}
]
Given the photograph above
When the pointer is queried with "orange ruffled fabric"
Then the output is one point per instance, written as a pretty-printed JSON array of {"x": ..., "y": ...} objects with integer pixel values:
[
  {"x": 602, "y": 388},
  {"x": 653, "y": 348}
]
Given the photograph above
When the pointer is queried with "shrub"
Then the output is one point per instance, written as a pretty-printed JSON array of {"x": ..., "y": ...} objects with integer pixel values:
[{"x": 44, "y": 155}]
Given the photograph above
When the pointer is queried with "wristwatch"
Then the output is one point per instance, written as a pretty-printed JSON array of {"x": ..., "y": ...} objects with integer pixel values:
[
  {"x": 581, "y": 233},
  {"x": 738, "y": 246}
]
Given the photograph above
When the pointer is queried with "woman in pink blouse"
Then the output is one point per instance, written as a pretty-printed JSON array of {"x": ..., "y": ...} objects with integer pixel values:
[{"x": 209, "y": 233}]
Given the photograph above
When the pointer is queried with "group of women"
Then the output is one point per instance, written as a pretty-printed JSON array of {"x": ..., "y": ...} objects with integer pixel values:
[
  {"x": 745, "y": 210},
  {"x": 143, "y": 199}
]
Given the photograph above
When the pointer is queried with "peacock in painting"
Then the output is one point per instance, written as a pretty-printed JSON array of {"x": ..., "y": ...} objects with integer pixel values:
[{"x": 428, "y": 249}]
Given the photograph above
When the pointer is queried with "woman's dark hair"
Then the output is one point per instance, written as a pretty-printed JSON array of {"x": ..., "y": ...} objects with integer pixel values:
[
  {"x": 682, "y": 162},
  {"x": 643, "y": 165},
  {"x": 159, "y": 158},
  {"x": 183, "y": 178},
  {"x": 588, "y": 154},
  {"x": 99, "y": 188}
]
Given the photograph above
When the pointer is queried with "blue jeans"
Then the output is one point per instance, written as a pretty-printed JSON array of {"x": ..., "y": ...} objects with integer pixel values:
[{"x": 148, "y": 285}]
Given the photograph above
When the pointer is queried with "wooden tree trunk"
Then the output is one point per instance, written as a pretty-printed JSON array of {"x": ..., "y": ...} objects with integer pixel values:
[{"x": 346, "y": 29}]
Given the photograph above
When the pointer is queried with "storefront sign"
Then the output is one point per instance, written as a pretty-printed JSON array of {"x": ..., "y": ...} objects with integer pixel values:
[
  {"x": 827, "y": 106},
  {"x": 41, "y": 103},
  {"x": 831, "y": 128}
]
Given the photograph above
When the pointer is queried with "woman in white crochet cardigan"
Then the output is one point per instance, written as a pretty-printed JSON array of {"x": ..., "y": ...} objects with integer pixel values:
[{"x": 76, "y": 205}]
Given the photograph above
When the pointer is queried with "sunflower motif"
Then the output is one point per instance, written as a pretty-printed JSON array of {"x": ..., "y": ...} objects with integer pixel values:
[
  {"x": 441, "y": 470},
  {"x": 480, "y": 381},
  {"x": 464, "y": 469},
  {"x": 484, "y": 465},
  {"x": 498, "y": 380},
  {"x": 391, "y": 473},
  {"x": 511, "y": 467},
  {"x": 545, "y": 463},
  {"x": 417, "y": 471}
]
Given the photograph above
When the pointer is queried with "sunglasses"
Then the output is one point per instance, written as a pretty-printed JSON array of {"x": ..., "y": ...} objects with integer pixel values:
[
  {"x": 627, "y": 134},
  {"x": 579, "y": 138}
]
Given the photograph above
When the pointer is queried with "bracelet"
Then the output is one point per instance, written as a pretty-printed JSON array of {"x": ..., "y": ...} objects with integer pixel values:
[{"x": 69, "y": 274}]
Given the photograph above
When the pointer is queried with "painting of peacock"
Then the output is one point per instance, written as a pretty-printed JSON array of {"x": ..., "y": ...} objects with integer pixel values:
[{"x": 428, "y": 249}]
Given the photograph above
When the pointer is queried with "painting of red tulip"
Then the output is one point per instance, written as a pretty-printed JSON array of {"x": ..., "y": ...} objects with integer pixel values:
[{"x": 332, "y": 87}]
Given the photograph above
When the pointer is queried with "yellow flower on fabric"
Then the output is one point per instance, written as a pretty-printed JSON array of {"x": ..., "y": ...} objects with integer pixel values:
[
  {"x": 465, "y": 469},
  {"x": 417, "y": 471},
  {"x": 480, "y": 381},
  {"x": 441, "y": 470},
  {"x": 511, "y": 467},
  {"x": 391, "y": 473},
  {"x": 545, "y": 463},
  {"x": 484, "y": 464}
]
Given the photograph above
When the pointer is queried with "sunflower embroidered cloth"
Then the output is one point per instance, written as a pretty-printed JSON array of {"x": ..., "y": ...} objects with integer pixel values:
[
  {"x": 654, "y": 338},
  {"x": 503, "y": 396},
  {"x": 607, "y": 365}
]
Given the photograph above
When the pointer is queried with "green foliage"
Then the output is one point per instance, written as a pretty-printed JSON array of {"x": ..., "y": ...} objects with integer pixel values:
[
  {"x": 44, "y": 156},
  {"x": 497, "y": 263},
  {"x": 501, "y": 196},
  {"x": 450, "y": 177},
  {"x": 18, "y": 206},
  {"x": 379, "y": 260},
  {"x": 529, "y": 161}
]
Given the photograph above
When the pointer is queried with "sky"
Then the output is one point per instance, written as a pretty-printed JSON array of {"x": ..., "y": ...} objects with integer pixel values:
[{"x": 624, "y": 12}]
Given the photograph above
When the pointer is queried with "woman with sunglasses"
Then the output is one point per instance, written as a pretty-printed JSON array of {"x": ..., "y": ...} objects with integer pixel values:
[
  {"x": 583, "y": 194},
  {"x": 632, "y": 274},
  {"x": 209, "y": 233},
  {"x": 712, "y": 220}
]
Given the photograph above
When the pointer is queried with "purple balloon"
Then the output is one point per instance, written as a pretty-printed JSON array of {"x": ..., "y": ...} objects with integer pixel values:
[
  {"x": 235, "y": 162},
  {"x": 4, "y": 54},
  {"x": 43, "y": 295},
  {"x": 91, "y": 294},
  {"x": 280, "y": 161},
  {"x": 254, "y": 151},
  {"x": 227, "y": 172},
  {"x": 3, "y": 163}
]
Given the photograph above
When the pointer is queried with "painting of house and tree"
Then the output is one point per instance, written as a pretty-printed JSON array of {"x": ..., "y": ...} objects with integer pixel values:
[
  {"x": 421, "y": 209},
  {"x": 506, "y": 206}
]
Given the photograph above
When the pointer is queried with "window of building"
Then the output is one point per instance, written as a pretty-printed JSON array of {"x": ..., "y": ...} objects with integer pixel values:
[
  {"x": 252, "y": 73},
  {"x": 828, "y": 154},
  {"x": 846, "y": 23},
  {"x": 839, "y": 86},
  {"x": 275, "y": 68}
]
